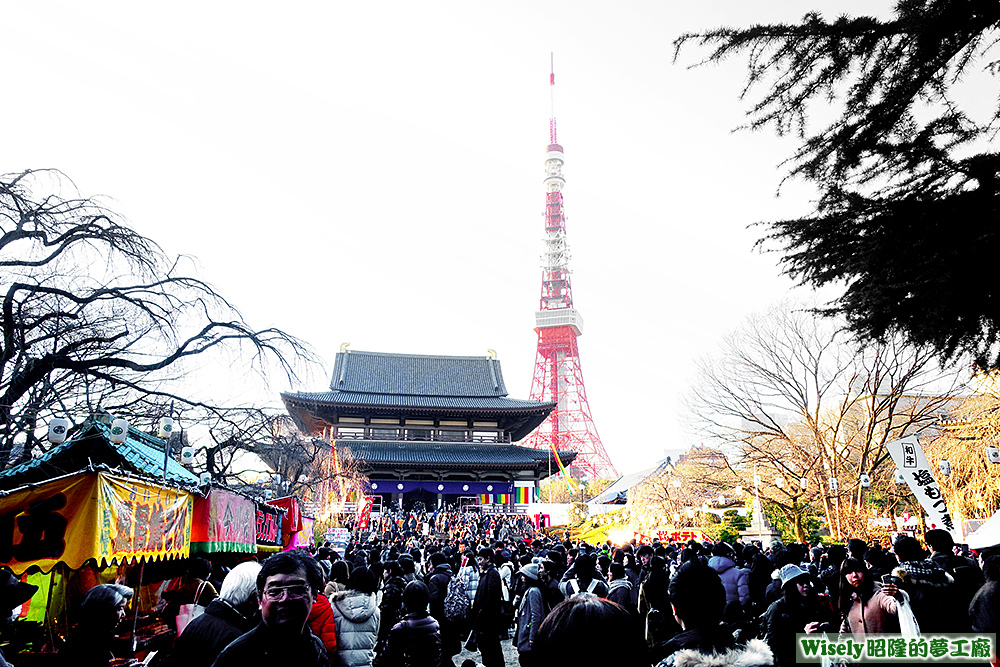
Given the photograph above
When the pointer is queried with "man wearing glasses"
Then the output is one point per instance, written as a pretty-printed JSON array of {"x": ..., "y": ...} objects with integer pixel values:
[{"x": 287, "y": 586}]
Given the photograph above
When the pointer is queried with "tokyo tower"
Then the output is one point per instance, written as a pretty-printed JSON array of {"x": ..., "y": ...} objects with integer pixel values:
[{"x": 558, "y": 376}]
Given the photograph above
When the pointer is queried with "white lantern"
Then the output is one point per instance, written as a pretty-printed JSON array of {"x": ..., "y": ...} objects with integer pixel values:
[
  {"x": 779, "y": 482},
  {"x": 268, "y": 494},
  {"x": 165, "y": 427},
  {"x": 866, "y": 481},
  {"x": 205, "y": 479},
  {"x": 677, "y": 483},
  {"x": 58, "y": 430},
  {"x": 187, "y": 455},
  {"x": 803, "y": 483},
  {"x": 690, "y": 514},
  {"x": 756, "y": 479},
  {"x": 993, "y": 454},
  {"x": 900, "y": 477},
  {"x": 944, "y": 467},
  {"x": 677, "y": 517},
  {"x": 738, "y": 490},
  {"x": 119, "y": 430},
  {"x": 833, "y": 484}
]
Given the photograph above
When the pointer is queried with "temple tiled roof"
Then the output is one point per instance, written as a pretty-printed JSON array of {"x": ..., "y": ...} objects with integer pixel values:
[
  {"x": 417, "y": 375},
  {"x": 141, "y": 453},
  {"x": 427, "y": 402},
  {"x": 387, "y": 452}
]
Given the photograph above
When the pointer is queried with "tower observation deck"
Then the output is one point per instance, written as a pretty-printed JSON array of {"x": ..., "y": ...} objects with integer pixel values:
[{"x": 558, "y": 376}]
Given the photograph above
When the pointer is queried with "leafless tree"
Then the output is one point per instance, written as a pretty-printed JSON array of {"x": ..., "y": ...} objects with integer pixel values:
[
  {"x": 790, "y": 398},
  {"x": 95, "y": 314}
]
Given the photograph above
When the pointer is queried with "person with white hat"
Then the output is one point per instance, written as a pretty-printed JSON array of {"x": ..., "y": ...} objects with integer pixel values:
[
  {"x": 13, "y": 594},
  {"x": 799, "y": 609}
]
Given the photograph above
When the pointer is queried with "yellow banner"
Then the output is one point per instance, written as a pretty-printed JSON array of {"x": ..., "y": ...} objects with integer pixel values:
[
  {"x": 92, "y": 515},
  {"x": 142, "y": 521}
]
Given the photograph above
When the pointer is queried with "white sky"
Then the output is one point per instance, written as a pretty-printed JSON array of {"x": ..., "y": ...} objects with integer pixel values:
[{"x": 372, "y": 173}]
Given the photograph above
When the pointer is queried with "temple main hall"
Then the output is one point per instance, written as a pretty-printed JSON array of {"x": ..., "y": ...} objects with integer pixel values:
[{"x": 430, "y": 430}]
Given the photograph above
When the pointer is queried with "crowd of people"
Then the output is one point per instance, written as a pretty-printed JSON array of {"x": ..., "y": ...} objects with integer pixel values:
[{"x": 409, "y": 596}]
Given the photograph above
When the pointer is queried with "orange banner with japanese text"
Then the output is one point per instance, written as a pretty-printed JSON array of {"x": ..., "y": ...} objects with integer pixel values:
[
  {"x": 92, "y": 515},
  {"x": 142, "y": 521}
]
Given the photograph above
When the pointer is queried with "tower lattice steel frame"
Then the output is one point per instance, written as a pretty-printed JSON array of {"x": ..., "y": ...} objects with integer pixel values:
[{"x": 558, "y": 376}]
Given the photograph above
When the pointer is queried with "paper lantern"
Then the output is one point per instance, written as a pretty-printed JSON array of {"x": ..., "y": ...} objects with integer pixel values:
[
  {"x": 205, "y": 479},
  {"x": 187, "y": 455},
  {"x": 803, "y": 483},
  {"x": 119, "y": 430},
  {"x": 833, "y": 484},
  {"x": 993, "y": 454},
  {"x": 779, "y": 482},
  {"x": 58, "y": 430},
  {"x": 900, "y": 477},
  {"x": 677, "y": 516},
  {"x": 738, "y": 490},
  {"x": 165, "y": 428},
  {"x": 944, "y": 467},
  {"x": 268, "y": 494},
  {"x": 690, "y": 514},
  {"x": 866, "y": 481},
  {"x": 676, "y": 483}
]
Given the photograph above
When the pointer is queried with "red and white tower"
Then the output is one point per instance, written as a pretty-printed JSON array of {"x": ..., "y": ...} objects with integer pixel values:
[{"x": 558, "y": 376}]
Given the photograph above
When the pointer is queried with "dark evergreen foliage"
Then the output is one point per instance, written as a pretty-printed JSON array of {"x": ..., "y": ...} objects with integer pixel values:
[{"x": 906, "y": 217}]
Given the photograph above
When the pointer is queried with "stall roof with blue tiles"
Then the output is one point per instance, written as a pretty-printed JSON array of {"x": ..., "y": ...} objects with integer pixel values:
[{"x": 141, "y": 453}]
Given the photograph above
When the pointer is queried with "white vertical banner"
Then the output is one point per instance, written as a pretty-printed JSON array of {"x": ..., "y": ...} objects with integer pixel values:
[{"x": 910, "y": 460}]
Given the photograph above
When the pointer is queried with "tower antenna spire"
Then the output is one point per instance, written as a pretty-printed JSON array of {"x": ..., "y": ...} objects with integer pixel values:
[{"x": 552, "y": 99}]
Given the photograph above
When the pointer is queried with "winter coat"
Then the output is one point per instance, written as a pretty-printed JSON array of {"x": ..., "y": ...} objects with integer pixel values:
[
  {"x": 413, "y": 642},
  {"x": 876, "y": 616},
  {"x": 789, "y": 616},
  {"x": 486, "y": 605},
  {"x": 736, "y": 580},
  {"x": 620, "y": 591},
  {"x": 932, "y": 595},
  {"x": 322, "y": 624},
  {"x": 437, "y": 584},
  {"x": 470, "y": 577},
  {"x": 529, "y": 617},
  {"x": 391, "y": 607},
  {"x": 968, "y": 580},
  {"x": 356, "y": 617},
  {"x": 753, "y": 653},
  {"x": 260, "y": 647},
  {"x": 205, "y": 637}
]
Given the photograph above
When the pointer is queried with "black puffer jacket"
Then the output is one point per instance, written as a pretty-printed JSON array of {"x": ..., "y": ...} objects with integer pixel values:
[
  {"x": 413, "y": 642},
  {"x": 204, "y": 638}
]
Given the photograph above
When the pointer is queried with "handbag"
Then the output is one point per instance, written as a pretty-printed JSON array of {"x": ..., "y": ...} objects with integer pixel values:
[{"x": 188, "y": 612}]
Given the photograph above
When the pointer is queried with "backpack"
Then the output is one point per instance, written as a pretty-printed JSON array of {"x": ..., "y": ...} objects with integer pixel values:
[
  {"x": 573, "y": 587},
  {"x": 456, "y": 601}
]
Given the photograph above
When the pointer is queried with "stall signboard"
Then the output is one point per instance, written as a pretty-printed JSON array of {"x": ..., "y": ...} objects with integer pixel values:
[
  {"x": 303, "y": 539},
  {"x": 224, "y": 522},
  {"x": 339, "y": 538},
  {"x": 268, "y": 526},
  {"x": 93, "y": 515},
  {"x": 140, "y": 521},
  {"x": 679, "y": 535}
]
